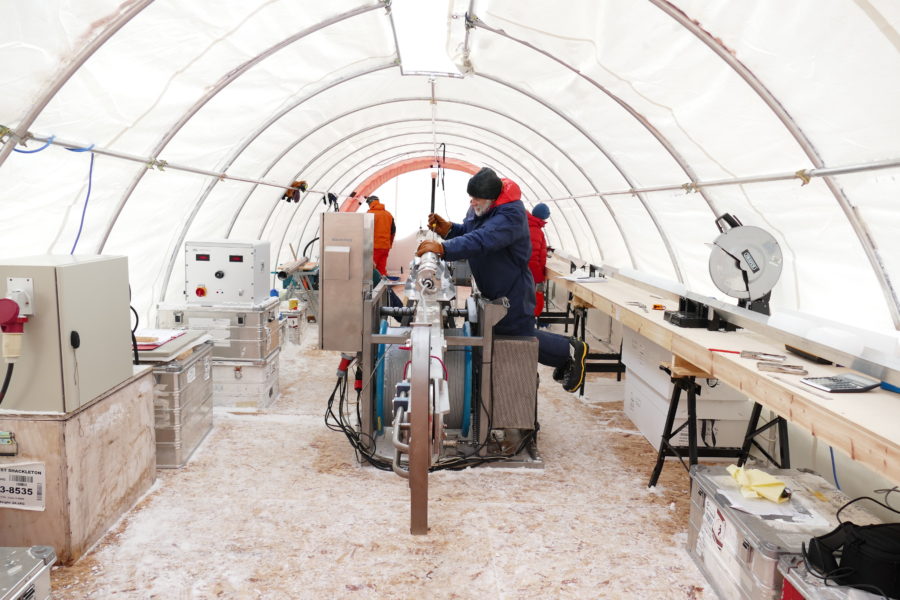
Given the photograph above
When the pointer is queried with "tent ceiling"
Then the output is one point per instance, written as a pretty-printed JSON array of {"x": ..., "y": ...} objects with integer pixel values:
[{"x": 606, "y": 109}]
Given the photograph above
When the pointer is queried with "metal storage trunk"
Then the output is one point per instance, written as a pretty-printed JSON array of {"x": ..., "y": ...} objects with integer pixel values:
[
  {"x": 246, "y": 383},
  {"x": 799, "y": 583},
  {"x": 182, "y": 406},
  {"x": 738, "y": 551},
  {"x": 26, "y": 572},
  {"x": 238, "y": 333}
]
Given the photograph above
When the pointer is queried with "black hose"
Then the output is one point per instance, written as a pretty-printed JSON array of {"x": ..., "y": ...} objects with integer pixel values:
[
  {"x": 306, "y": 247},
  {"x": 9, "y": 370}
]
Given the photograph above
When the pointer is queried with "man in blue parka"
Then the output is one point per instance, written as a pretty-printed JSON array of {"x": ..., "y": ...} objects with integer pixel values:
[{"x": 494, "y": 238}]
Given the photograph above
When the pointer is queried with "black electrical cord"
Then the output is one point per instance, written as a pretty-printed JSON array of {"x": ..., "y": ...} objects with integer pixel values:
[
  {"x": 133, "y": 337},
  {"x": 6, "y": 380},
  {"x": 307, "y": 246}
]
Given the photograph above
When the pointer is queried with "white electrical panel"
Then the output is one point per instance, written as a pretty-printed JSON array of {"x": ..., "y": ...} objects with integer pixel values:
[
  {"x": 226, "y": 272},
  {"x": 76, "y": 343}
]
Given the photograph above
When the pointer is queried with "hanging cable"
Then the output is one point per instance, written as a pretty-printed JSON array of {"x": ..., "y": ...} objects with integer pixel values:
[
  {"x": 87, "y": 197},
  {"x": 6, "y": 380},
  {"x": 44, "y": 147}
]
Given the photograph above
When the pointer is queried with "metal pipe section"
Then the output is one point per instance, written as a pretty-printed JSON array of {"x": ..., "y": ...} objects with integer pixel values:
[
  {"x": 288, "y": 269},
  {"x": 803, "y": 175}
]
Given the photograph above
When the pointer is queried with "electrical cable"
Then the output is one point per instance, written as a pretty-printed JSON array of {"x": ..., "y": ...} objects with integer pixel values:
[
  {"x": 44, "y": 147},
  {"x": 137, "y": 321},
  {"x": 6, "y": 380},
  {"x": 86, "y": 198},
  {"x": 834, "y": 468}
]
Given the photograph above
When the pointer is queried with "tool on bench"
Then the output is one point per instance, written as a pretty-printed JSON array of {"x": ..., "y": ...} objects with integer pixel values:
[
  {"x": 639, "y": 305},
  {"x": 778, "y": 367},
  {"x": 753, "y": 354}
]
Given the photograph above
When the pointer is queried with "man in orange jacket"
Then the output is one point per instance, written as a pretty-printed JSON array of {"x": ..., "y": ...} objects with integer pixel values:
[{"x": 385, "y": 230}]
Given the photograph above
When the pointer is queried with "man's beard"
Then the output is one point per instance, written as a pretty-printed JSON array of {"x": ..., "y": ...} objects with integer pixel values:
[{"x": 480, "y": 209}]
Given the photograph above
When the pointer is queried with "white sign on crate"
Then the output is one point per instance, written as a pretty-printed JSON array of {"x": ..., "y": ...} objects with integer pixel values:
[{"x": 22, "y": 486}]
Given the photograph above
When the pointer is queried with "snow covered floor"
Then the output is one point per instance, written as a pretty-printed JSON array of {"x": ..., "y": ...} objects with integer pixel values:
[{"x": 273, "y": 505}]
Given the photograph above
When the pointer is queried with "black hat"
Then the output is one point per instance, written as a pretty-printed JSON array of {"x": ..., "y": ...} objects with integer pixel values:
[
  {"x": 485, "y": 184},
  {"x": 371, "y": 199}
]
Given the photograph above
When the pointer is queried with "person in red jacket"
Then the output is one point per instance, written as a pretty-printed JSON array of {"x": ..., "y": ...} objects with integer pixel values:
[
  {"x": 538, "y": 261},
  {"x": 385, "y": 230}
]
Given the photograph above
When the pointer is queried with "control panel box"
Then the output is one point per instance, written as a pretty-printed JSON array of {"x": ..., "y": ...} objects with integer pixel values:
[
  {"x": 76, "y": 344},
  {"x": 226, "y": 272},
  {"x": 345, "y": 278}
]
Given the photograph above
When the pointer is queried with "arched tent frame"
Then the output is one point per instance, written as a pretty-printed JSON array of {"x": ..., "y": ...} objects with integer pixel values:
[{"x": 607, "y": 168}]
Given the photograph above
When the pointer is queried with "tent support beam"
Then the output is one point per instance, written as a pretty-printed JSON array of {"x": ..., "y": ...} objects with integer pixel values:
[
  {"x": 76, "y": 63},
  {"x": 310, "y": 220},
  {"x": 859, "y": 227},
  {"x": 341, "y": 159}
]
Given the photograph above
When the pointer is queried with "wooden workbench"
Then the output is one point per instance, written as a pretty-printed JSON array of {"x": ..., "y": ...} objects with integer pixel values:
[{"x": 865, "y": 426}]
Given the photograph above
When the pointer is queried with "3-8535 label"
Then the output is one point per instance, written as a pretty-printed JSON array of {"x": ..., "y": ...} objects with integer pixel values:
[{"x": 22, "y": 486}]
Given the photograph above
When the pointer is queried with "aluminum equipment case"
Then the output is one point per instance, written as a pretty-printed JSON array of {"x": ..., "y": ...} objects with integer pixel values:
[
  {"x": 183, "y": 406},
  {"x": 250, "y": 333},
  {"x": 246, "y": 383},
  {"x": 799, "y": 584},
  {"x": 738, "y": 551},
  {"x": 26, "y": 573}
]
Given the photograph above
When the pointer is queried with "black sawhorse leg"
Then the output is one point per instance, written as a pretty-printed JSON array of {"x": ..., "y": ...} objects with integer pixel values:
[
  {"x": 612, "y": 360},
  {"x": 753, "y": 430},
  {"x": 666, "y": 448}
]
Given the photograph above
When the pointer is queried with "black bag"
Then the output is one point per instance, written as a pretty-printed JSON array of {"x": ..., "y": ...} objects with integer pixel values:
[{"x": 861, "y": 556}]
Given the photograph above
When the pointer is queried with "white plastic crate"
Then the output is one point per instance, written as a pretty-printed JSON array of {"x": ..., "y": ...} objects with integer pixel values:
[
  {"x": 724, "y": 422},
  {"x": 246, "y": 383}
]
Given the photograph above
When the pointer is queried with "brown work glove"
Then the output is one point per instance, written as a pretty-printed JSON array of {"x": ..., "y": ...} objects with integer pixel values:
[
  {"x": 439, "y": 225},
  {"x": 430, "y": 246}
]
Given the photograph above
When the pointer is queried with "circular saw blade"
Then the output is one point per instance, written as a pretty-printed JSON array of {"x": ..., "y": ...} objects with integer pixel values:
[{"x": 745, "y": 262}]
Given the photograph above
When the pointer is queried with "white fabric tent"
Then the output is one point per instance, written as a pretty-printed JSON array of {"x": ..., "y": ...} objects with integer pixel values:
[{"x": 619, "y": 112}]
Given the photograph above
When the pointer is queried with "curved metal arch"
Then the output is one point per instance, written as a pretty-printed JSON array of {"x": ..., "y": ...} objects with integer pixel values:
[
  {"x": 611, "y": 160},
  {"x": 76, "y": 63},
  {"x": 394, "y": 136},
  {"x": 212, "y": 92},
  {"x": 477, "y": 151},
  {"x": 309, "y": 218},
  {"x": 425, "y": 99},
  {"x": 856, "y": 223},
  {"x": 345, "y": 114},
  {"x": 239, "y": 150},
  {"x": 519, "y": 176},
  {"x": 335, "y": 165},
  {"x": 234, "y": 156},
  {"x": 345, "y": 138},
  {"x": 312, "y": 212},
  {"x": 309, "y": 164},
  {"x": 378, "y": 104}
]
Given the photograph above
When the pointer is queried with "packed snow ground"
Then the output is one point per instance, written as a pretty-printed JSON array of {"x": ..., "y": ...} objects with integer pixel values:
[{"x": 274, "y": 505}]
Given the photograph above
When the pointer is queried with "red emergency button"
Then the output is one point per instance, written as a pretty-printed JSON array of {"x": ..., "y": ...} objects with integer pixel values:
[{"x": 200, "y": 291}]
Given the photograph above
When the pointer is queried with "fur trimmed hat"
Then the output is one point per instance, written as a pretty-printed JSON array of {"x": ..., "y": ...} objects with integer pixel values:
[{"x": 485, "y": 184}]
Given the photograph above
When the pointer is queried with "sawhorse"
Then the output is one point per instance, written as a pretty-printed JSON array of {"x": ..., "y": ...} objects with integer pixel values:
[
  {"x": 684, "y": 376},
  {"x": 753, "y": 430}
]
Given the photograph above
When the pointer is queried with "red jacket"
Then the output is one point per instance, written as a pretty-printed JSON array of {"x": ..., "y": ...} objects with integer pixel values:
[
  {"x": 538, "y": 261},
  {"x": 384, "y": 226}
]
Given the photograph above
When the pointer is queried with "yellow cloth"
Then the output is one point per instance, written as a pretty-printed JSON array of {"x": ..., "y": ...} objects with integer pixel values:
[{"x": 758, "y": 484}]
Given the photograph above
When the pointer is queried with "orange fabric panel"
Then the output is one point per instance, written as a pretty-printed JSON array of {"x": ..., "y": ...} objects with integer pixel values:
[{"x": 376, "y": 180}]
